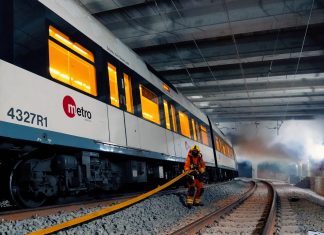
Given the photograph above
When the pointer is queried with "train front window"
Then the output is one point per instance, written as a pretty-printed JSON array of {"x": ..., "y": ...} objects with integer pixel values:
[
  {"x": 73, "y": 66},
  {"x": 166, "y": 112},
  {"x": 128, "y": 93},
  {"x": 150, "y": 105},
  {"x": 184, "y": 124},
  {"x": 113, "y": 85},
  {"x": 204, "y": 135}
]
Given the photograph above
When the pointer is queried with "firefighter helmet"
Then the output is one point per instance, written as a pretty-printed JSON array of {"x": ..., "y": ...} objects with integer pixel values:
[
  {"x": 195, "y": 147},
  {"x": 195, "y": 150}
]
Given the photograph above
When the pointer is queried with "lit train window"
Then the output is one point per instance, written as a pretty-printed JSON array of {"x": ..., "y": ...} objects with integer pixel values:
[
  {"x": 150, "y": 105},
  {"x": 204, "y": 135},
  {"x": 113, "y": 85},
  {"x": 223, "y": 148},
  {"x": 184, "y": 124},
  {"x": 174, "y": 120},
  {"x": 73, "y": 66},
  {"x": 167, "y": 116},
  {"x": 226, "y": 150},
  {"x": 128, "y": 93},
  {"x": 198, "y": 132},
  {"x": 218, "y": 144},
  {"x": 194, "y": 129}
]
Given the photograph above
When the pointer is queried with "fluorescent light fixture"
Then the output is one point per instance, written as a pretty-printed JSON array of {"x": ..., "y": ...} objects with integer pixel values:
[
  {"x": 179, "y": 85},
  {"x": 202, "y": 104},
  {"x": 195, "y": 96}
]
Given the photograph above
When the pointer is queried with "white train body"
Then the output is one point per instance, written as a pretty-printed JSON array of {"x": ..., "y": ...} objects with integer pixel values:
[{"x": 42, "y": 111}]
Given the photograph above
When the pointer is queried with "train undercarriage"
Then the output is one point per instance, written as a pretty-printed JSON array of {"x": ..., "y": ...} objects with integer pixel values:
[{"x": 34, "y": 176}]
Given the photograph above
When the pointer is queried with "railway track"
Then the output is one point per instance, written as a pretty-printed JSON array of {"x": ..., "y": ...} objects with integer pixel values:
[
  {"x": 147, "y": 214},
  {"x": 253, "y": 213},
  {"x": 21, "y": 214},
  {"x": 12, "y": 213}
]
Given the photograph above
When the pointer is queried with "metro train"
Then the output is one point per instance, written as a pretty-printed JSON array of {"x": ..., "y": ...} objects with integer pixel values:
[{"x": 79, "y": 111}]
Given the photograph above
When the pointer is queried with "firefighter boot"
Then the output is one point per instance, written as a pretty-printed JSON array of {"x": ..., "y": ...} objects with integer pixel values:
[
  {"x": 197, "y": 202},
  {"x": 189, "y": 201}
]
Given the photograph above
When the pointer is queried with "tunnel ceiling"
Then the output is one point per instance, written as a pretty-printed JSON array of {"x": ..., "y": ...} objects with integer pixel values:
[{"x": 236, "y": 60}]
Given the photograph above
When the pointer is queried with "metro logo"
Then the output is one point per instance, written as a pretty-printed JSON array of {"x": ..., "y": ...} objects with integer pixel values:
[{"x": 70, "y": 108}]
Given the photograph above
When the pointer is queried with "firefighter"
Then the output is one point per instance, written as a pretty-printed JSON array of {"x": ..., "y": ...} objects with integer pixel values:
[{"x": 195, "y": 162}]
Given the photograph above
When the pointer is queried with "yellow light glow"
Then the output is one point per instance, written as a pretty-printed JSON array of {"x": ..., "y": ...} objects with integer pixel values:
[
  {"x": 82, "y": 84},
  {"x": 62, "y": 38},
  {"x": 62, "y": 75},
  {"x": 148, "y": 115},
  {"x": 79, "y": 49},
  {"x": 69, "y": 67},
  {"x": 113, "y": 85},
  {"x": 173, "y": 115},
  {"x": 194, "y": 129},
  {"x": 66, "y": 41},
  {"x": 165, "y": 87},
  {"x": 184, "y": 124},
  {"x": 166, "y": 112},
  {"x": 150, "y": 105},
  {"x": 204, "y": 135}
]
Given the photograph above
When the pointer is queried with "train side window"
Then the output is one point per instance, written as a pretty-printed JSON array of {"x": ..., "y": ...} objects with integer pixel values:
[
  {"x": 113, "y": 85},
  {"x": 174, "y": 120},
  {"x": 167, "y": 116},
  {"x": 194, "y": 129},
  {"x": 217, "y": 144},
  {"x": 128, "y": 93},
  {"x": 73, "y": 66},
  {"x": 184, "y": 124},
  {"x": 204, "y": 135},
  {"x": 150, "y": 105},
  {"x": 198, "y": 132},
  {"x": 223, "y": 147}
]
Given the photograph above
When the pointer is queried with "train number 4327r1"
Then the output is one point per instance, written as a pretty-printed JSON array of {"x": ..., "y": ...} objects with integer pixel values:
[{"x": 27, "y": 117}]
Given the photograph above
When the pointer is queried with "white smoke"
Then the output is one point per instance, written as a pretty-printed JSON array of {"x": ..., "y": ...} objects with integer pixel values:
[{"x": 290, "y": 141}]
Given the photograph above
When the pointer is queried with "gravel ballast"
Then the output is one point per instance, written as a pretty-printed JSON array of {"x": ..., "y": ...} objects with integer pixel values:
[{"x": 156, "y": 215}]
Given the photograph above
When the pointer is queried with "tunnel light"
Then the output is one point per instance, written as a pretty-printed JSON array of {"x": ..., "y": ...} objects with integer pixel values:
[
  {"x": 203, "y": 104},
  {"x": 195, "y": 97}
]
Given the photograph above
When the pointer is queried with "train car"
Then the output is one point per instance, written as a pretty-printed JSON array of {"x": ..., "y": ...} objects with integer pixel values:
[{"x": 80, "y": 111}]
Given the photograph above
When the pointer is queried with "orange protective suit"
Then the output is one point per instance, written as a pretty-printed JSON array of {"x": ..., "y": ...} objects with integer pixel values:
[{"x": 195, "y": 185}]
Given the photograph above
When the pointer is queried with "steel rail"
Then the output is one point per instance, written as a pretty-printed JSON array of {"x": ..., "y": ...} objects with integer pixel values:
[
  {"x": 106, "y": 210},
  {"x": 21, "y": 214},
  {"x": 197, "y": 225},
  {"x": 271, "y": 219}
]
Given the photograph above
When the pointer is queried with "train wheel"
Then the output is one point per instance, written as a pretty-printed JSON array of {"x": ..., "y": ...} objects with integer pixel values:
[{"x": 22, "y": 189}]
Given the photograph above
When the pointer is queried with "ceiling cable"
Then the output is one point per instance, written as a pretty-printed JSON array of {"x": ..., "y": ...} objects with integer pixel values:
[
  {"x": 198, "y": 49},
  {"x": 237, "y": 51},
  {"x": 299, "y": 57},
  {"x": 189, "y": 75},
  {"x": 166, "y": 28},
  {"x": 272, "y": 59}
]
